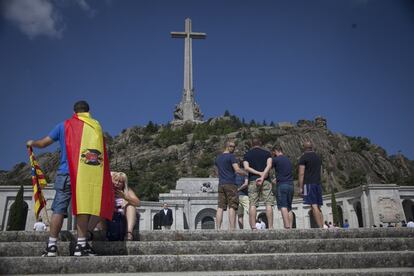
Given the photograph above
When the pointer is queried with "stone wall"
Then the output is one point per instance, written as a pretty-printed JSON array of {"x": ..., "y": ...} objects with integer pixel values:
[{"x": 195, "y": 200}]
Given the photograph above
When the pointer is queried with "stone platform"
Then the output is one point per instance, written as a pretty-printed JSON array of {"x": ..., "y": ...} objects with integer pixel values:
[{"x": 373, "y": 251}]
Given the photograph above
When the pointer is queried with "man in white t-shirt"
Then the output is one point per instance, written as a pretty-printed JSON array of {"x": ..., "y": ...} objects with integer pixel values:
[
  {"x": 410, "y": 223},
  {"x": 39, "y": 225}
]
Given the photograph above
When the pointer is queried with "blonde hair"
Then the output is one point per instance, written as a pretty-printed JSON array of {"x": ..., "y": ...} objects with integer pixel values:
[{"x": 120, "y": 176}]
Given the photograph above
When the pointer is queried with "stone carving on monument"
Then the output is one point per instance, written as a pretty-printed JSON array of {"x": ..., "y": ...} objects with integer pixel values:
[
  {"x": 206, "y": 187},
  {"x": 188, "y": 109},
  {"x": 388, "y": 210}
]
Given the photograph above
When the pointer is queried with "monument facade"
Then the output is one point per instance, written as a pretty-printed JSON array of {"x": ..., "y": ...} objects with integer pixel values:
[
  {"x": 188, "y": 109},
  {"x": 194, "y": 204}
]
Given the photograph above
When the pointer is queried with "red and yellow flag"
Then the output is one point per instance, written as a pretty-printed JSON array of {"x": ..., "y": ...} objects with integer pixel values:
[
  {"x": 90, "y": 177},
  {"x": 38, "y": 182}
]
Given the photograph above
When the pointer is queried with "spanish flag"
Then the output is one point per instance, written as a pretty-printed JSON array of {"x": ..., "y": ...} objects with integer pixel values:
[
  {"x": 90, "y": 177},
  {"x": 38, "y": 182}
]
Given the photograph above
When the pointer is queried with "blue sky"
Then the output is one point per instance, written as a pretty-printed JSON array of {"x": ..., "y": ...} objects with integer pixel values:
[{"x": 351, "y": 62}]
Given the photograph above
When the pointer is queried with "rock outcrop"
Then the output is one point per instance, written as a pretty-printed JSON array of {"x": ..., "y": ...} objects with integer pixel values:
[{"x": 157, "y": 156}]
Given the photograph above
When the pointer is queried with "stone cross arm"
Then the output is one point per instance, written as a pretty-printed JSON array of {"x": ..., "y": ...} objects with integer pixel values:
[{"x": 192, "y": 35}]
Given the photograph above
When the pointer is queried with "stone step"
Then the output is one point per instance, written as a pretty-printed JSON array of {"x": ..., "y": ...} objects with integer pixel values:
[
  {"x": 216, "y": 262},
  {"x": 393, "y": 271},
  {"x": 217, "y": 247},
  {"x": 199, "y": 235}
]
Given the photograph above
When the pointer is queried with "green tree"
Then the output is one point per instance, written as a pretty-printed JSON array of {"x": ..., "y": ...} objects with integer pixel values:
[
  {"x": 151, "y": 128},
  {"x": 226, "y": 113},
  {"x": 18, "y": 212},
  {"x": 334, "y": 206},
  {"x": 356, "y": 178}
]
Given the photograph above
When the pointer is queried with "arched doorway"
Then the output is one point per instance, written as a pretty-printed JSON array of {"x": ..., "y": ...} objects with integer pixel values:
[
  {"x": 208, "y": 223},
  {"x": 408, "y": 208},
  {"x": 263, "y": 217},
  {"x": 206, "y": 215},
  {"x": 312, "y": 220},
  {"x": 358, "y": 211},
  {"x": 293, "y": 220},
  {"x": 156, "y": 223}
]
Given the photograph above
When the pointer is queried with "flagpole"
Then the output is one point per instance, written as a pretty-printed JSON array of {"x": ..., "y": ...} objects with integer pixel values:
[{"x": 46, "y": 216}]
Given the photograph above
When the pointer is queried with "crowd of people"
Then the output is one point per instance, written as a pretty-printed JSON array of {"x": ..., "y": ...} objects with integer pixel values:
[
  {"x": 102, "y": 199},
  {"x": 242, "y": 185}
]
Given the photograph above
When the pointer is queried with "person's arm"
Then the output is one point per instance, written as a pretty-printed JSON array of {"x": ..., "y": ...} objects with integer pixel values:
[
  {"x": 249, "y": 169},
  {"x": 41, "y": 143},
  {"x": 238, "y": 170},
  {"x": 301, "y": 175},
  {"x": 245, "y": 185},
  {"x": 265, "y": 173},
  {"x": 129, "y": 197}
]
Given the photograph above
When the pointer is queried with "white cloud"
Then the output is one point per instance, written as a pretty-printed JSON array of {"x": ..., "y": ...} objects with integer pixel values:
[
  {"x": 86, "y": 7},
  {"x": 33, "y": 17}
]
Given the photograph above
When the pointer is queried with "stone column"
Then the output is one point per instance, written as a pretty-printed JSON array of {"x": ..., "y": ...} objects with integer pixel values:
[{"x": 179, "y": 218}]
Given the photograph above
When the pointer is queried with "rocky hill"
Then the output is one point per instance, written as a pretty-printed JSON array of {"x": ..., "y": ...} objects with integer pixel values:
[{"x": 154, "y": 157}]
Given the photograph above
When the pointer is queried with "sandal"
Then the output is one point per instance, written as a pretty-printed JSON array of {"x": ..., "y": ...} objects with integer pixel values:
[{"x": 129, "y": 236}]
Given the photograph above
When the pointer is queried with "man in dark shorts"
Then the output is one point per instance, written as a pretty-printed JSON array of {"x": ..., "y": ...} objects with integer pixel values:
[
  {"x": 310, "y": 185},
  {"x": 284, "y": 185},
  {"x": 227, "y": 167},
  {"x": 258, "y": 162}
]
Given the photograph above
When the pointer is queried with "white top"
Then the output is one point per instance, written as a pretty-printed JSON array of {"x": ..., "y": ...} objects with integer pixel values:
[
  {"x": 410, "y": 224},
  {"x": 39, "y": 226}
]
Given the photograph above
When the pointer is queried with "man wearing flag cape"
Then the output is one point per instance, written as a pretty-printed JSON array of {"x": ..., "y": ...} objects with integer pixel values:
[{"x": 83, "y": 177}]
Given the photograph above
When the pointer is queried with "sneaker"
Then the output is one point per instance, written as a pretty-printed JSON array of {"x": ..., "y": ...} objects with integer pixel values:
[
  {"x": 86, "y": 250},
  {"x": 51, "y": 251}
]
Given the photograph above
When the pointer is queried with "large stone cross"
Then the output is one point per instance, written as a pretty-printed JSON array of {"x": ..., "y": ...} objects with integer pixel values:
[{"x": 187, "y": 109}]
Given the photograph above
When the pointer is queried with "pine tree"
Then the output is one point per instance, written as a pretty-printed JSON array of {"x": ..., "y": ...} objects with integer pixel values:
[
  {"x": 335, "y": 213},
  {"x": 18, "y": 213},
  {"x": 226, "y": 113}
]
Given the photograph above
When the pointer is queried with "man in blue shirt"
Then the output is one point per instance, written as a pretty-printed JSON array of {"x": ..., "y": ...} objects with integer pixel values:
[
  {"x": 63, "y": 192},
  {"x": 227, "y": 167},
  {"x": 310, "y": 184},
  {"x": 284, "y": 185},
  {"x": 258, "y": 162}
]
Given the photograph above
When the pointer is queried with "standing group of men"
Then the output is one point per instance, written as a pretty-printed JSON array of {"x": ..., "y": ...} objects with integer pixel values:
[{"x": 242, "y": 189}]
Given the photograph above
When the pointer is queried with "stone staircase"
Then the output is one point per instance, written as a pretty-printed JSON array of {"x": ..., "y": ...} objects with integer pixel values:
[{"x": 373, "y": 251}]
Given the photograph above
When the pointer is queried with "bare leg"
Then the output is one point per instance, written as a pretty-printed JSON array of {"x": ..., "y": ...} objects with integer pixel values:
[
  {"x": 82, "y": 222},
  {"x": 240, "y": 220},
  {"x": 219, "y": 217},
  {"x": 317, "y": 214},
  {"x": 232, "y": 218},
  {"x": 93, "y": 222},
  {"x": 56, "y": 225},
  {"x": 252, "y": 216},
  {"x": 269, "y": 215},
  {"x": 290, "y": 219},
  {"x": 285, "y": 217},
  {"x": 131, "y": 217}
]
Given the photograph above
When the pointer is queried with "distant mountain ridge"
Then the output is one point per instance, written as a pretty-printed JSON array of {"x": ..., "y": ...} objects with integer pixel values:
[{"x": 154, "y": 157}]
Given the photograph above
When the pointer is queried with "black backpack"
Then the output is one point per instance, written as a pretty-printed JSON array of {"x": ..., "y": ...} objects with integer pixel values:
[{"x": 116, "y": 228}]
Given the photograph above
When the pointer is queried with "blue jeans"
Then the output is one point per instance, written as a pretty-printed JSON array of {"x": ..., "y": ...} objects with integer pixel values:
[
  {"x": 284, "y": 195},
  {"x": 63, "y": 194}
]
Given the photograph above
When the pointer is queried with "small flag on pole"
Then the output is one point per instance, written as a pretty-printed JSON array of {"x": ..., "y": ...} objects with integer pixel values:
[{"x": 38, "y": 182}]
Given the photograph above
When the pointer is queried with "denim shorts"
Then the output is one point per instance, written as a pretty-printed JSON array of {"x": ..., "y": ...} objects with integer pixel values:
[
  {"x": 312, "y": 194},
  {"x": 63, "y": 194},
  {"x": 284, "y": 195}
]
